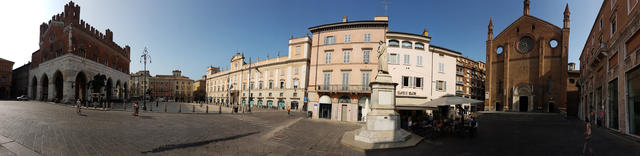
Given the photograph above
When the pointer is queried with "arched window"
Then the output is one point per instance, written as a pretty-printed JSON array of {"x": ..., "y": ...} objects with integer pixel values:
[
  {"x": 406, "y": 44},
  {"x": 419, "y": 46},
  {"x": 394, "y": 43}
]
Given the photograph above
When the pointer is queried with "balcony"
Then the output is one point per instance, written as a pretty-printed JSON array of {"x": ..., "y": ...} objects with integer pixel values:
[
  {"x": 460, "y": 73},
  {"x": 344, "y": 88},
  {"x": 601, "y": 53},
  {"x": 459, "y": 82}
]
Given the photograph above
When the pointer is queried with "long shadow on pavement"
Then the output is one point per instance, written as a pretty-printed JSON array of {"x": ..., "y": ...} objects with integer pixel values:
[{"x": 194, "y": 144}]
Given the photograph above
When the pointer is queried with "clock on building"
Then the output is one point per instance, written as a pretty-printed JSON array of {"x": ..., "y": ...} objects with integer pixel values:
[{"x": 525, "y": 44}]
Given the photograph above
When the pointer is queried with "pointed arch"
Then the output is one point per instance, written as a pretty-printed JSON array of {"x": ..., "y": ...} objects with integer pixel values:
[
  {"x": 58, "y": 83},
  {"x": 44, "y": 89},
  {"x": 81, "y": 86}
]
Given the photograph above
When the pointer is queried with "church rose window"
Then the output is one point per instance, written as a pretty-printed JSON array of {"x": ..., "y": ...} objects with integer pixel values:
[{"x": 525, "y": 44}]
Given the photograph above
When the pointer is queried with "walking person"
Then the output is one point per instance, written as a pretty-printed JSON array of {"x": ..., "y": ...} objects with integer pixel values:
[
  {"x": 135, "y": 109},
  {"x": 410, "y": 124},
  {"x": 78, "y": 103},
  {"x": 587, "y": 138},
  {"x": 288, "y": 110}
]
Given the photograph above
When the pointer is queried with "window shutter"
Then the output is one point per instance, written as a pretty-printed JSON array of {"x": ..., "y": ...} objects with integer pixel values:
[{"x": 445, "y": 86}]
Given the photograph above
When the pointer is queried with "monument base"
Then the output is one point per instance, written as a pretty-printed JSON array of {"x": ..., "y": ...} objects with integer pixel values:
[{"x": 349, "y": 140}]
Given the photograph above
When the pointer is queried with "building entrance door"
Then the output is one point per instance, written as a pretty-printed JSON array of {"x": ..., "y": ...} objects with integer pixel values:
[
  {"x": 524, "y": 103},
  {"x": 325, "y": 111},
  {"x": 343, "y": 117}
]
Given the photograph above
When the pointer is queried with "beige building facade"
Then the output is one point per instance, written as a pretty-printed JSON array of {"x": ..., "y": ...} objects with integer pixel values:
[
  {"x": 343, "y": 62},
  {"x": 276, "y": 83}
]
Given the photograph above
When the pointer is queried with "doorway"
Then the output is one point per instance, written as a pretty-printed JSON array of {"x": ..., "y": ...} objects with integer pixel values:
[
  {"x": 498, "y": 106},
  {"x": 343, "y": 116},
  {"x": 325, "y": 111},
  {"x": 524, "y": 103}
]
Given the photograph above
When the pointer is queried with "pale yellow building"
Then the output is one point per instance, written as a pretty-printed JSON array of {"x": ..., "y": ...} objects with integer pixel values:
[{"x": 278, "y": 82}]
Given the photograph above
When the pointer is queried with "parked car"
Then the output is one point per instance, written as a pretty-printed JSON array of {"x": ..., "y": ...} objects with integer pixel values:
[{"x": 22, "y": 98}]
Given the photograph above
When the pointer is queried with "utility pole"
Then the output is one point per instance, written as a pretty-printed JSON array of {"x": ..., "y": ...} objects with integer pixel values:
[
  {"x": 249, "y": 85},
  {"x": 145, "y": 55}
]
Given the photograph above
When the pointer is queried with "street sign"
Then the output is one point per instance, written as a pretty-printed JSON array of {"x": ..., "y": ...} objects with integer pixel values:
[{"x": 306, "y": 99}]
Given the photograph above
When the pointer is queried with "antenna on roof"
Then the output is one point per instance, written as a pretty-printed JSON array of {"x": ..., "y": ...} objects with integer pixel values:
[{"x": 386, "y": 7}]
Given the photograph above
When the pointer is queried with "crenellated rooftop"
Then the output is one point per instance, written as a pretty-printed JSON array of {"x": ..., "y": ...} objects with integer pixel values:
[{"x": 71, "y": 17}]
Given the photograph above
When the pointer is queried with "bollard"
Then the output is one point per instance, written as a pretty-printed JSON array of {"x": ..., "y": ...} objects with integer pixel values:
[
  {"x": 193, "y": 110},
  {"x": 165, "y": 107},
  {"x": 179, "y": 108},
  {"x": 207, "y": 112}
]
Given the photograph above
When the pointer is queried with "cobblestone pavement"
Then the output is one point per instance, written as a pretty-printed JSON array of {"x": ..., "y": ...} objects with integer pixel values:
[
  {"x": 54, "y": 129},
  {"x": 523, "y": 134}
]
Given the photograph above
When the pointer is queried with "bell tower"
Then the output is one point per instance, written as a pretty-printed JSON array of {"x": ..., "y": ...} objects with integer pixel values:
[{"x": 526, "y": 7}]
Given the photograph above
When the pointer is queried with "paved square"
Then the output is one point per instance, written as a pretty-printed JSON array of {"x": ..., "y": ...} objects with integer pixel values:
[{"x": 54, "y": 129}]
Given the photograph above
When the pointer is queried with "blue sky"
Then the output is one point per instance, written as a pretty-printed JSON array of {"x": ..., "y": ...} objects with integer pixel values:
[{"x": 190, "y": 35}]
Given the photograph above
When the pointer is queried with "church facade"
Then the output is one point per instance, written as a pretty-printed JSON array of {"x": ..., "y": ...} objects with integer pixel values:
[{"x": 527, "y": 65}]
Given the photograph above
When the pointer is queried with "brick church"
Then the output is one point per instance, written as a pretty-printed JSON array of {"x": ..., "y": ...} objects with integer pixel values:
[{"x": 527, "y": 65}]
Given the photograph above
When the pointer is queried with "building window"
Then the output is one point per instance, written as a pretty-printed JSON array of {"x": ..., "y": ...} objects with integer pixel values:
[
  {"x": 327, "y": 80},
  {"x": 419, "y": 59},
  {"x": 346, "y": 57},
  {"x": 281, "y": 84},
  {"x": 407, "y": 44},
  {"x": 613, "y": 26},
  {"x": 394, "y": 43},
  {"x": 393, "y": 58},
  {"x": 365, "y": 56},
  {"x": 297, "y": 50},
  {"x": 633, "y": 95},
  {"x": 441, "y": 85},
  {"x": 613, "y": 104},
  {"x": 418, "y": 82},
  {"x": 441, "y": 67},
  {"x": 419, "y": 46},
  {"x": 365, "y": 79},
  {"x": 405, "y": 81},
  {"x": 367, "y": 37},
  {"x": 271, "y": 73},
  {"x": 260, "y": 85},
  {"x": 347, "y": 38},
  {"x": 282, "y": 72},
  {"x": 295, "y": 94},
  {"x": 270, "y": 84},
  {"x": 327, "y": 57},
  {"x": 296, "y": 83},
  {"x": 295, "y": 71},
  {"x": 330, "y": 40},
  {"x": 345, "y": 80},
  {"x": 407, "y": 59}
]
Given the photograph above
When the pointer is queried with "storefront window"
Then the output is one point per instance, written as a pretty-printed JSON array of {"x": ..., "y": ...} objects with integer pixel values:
[
  {"x": 613, "y": 104},
  {"x": 633, "y": 89}
]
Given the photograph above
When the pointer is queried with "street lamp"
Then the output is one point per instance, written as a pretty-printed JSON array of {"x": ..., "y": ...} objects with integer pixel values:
[{"x": 145, "y": 55}]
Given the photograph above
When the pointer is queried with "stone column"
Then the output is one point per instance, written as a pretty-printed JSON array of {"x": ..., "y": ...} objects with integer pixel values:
[
  {"x": 51, "y": 89},
  {"x": 68, "y": 93}
]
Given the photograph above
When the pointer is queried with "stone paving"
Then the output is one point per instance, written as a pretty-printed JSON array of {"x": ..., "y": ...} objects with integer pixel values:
[
  {"x": 523, "y": 134},
  {"x": 54, "y": 129}
]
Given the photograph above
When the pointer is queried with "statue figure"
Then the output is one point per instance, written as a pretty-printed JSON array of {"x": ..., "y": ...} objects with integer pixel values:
[{"x": 382, "y": 58}]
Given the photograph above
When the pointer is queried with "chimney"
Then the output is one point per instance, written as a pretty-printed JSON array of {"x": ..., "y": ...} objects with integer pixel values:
[{"x": 344, "y": 19}]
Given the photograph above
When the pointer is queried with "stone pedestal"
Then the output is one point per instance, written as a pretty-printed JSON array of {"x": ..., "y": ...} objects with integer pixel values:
[{"x": 382, "y": 128}]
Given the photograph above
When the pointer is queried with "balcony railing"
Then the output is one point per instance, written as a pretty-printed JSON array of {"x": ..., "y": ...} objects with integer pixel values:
[
  {"x": 344, "y": 88},
  {"x": 460, "y": 73},
  {"x": 460, "y": 82}
]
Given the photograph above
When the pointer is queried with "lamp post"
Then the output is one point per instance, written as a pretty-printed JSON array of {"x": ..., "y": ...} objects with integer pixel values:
[{"x": 145, "y": 55}]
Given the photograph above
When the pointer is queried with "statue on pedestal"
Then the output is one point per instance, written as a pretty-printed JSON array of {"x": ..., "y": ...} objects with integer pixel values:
[{"x": 383, "y": 58}]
